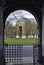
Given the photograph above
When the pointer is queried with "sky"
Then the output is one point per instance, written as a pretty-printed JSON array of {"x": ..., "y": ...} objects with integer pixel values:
[{"x": 14, "y": 16}]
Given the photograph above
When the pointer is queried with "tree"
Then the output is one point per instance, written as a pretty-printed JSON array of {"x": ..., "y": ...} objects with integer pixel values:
[
  {"x": 27, "y": 32},
  {"x": 8, "y": 29},
  {"x": 31, "y": 29},
  {"x": 15, "y": 31}
]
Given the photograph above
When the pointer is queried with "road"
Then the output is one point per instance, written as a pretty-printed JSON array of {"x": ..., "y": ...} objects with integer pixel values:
[
  {"x": 27, "y": 54},
  {"x": 27, "y": 51}
]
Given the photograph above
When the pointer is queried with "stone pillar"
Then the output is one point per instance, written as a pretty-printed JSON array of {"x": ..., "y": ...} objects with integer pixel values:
[
  {"x": 1, "y": 37},
  {"x": 43, "y": 35}
]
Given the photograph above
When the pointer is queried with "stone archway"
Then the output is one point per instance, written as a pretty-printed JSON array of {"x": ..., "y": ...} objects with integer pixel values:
[
  {"x": 9, "y": 8},
  {"x": 37, "y": 18}
]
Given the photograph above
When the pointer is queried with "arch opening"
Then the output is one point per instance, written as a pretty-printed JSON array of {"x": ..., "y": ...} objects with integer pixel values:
[
  {"x": 21, "y": 27},
  {"x": 21, "y": 18}
]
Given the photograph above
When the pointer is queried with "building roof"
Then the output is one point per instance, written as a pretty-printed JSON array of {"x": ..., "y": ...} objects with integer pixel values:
[{"x": 23, "y": 19}]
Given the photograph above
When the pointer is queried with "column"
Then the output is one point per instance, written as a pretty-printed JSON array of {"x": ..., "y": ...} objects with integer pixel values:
[
  {"x": 1, "y": 37},
  {"x": 43, "y": 35}
]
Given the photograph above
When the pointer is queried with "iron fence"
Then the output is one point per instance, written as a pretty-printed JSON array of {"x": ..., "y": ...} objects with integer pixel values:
[
  {"x": 13, "y": 54},
  {"x": 36, "y": 54}
]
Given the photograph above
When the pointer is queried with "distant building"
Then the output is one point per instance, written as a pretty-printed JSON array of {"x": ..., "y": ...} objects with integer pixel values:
[{"x": 22, "y": 23}]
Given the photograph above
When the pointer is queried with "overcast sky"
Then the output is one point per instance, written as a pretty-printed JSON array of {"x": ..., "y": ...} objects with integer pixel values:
[{"x": 13, "y": 17}]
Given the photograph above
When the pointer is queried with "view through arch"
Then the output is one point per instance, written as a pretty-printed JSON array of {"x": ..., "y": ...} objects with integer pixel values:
[
  {"x": 29, "y": 27},
  {"x": 21, "y": 28}
]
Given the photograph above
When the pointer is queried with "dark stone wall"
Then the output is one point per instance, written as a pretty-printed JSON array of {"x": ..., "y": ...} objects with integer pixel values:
[
  {"x": 29, "y": 5},
  {"x": 1, "y": 37}
]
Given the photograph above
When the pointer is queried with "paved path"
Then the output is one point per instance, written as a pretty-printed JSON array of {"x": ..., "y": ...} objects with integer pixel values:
[
  {"x": 27, "y": 54},
  {"x": 27, "y": 51},
  {"x": 28, "y": 59}
]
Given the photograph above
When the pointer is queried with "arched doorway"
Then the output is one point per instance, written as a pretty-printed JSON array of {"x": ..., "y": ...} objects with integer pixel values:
[
  {"x": 22, "y": 26},
  {"x": 20, "y": 31}
]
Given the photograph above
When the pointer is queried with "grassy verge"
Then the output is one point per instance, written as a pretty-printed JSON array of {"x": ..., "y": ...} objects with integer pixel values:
[{"x": 21, "y": 41}]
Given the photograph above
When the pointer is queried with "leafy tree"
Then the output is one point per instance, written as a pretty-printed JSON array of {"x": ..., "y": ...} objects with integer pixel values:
[
  {"x": 8, "y": 29},
  {"x": 31, "y": 29},
  {"x": 27, "y": 32},
  {"x": 15, "y": 30}
]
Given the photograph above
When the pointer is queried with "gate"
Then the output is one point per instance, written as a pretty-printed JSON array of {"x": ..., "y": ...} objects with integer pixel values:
[
  {"x": 13, "y": 54},
  {"x": 36, "y": 55}
]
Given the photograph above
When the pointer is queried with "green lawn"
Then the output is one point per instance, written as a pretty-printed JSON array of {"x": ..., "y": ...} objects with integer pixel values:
[{"x": 21, "y": 41}]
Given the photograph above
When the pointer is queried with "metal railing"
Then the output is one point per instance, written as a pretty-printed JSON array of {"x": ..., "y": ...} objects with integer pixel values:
[
  {"x": 36, "y": 54},
  {"x": 13, "y": 54}
]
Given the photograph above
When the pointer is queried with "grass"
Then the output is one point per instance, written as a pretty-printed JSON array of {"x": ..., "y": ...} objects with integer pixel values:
[{"x": 21, "y": 41}]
